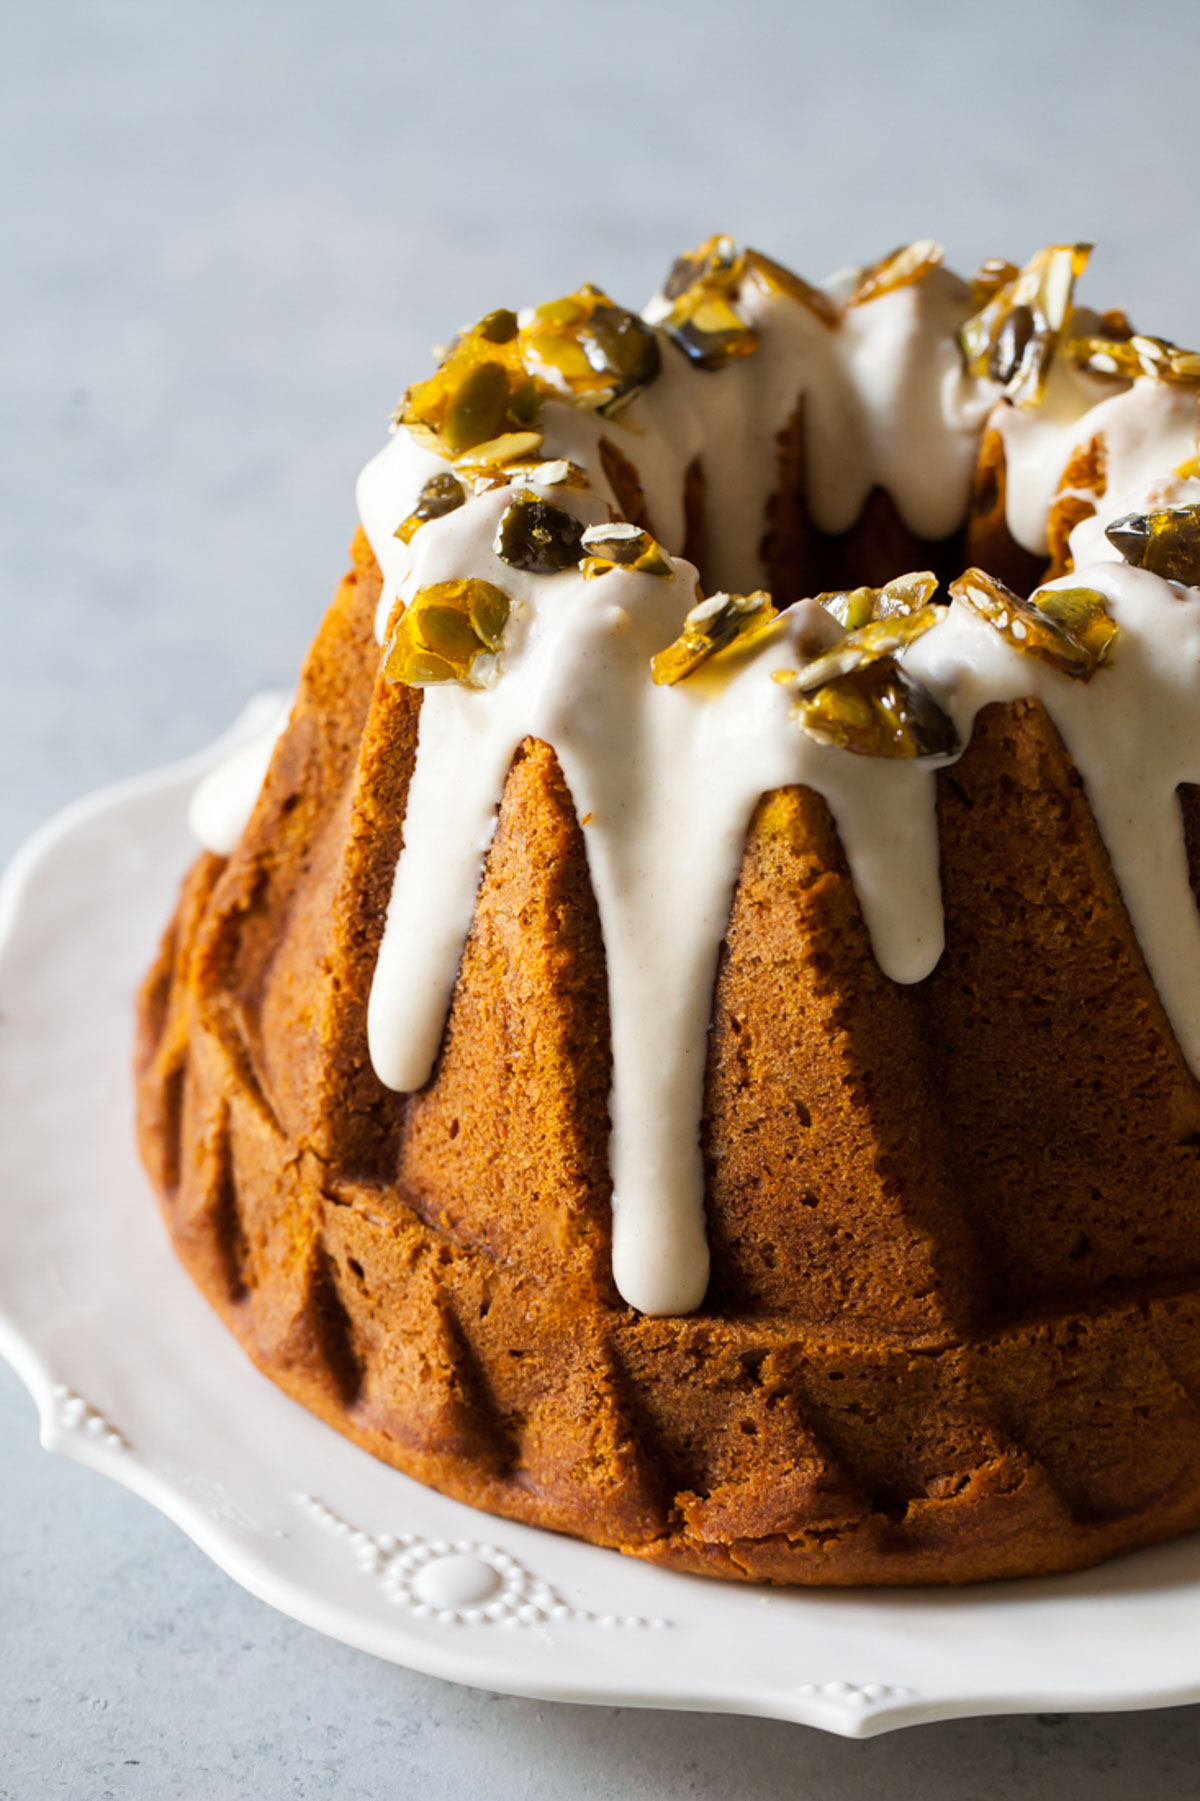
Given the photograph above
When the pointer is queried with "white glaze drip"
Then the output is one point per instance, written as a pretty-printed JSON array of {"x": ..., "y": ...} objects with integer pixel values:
[
  {"x": 886, "y": 403},
  {"x": 667, "y": 779},
  {"x": 223, "y": 801},
  {"x": 663, "y": 854},
  {"x": 1147, "y": 430}
]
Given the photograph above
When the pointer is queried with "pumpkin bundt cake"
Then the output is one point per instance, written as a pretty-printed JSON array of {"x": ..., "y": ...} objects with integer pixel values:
[{"x": 692, "y": 1040}]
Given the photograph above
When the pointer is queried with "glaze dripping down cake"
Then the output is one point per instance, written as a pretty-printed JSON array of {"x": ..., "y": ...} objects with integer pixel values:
[{"x": 688, "y": 1035}]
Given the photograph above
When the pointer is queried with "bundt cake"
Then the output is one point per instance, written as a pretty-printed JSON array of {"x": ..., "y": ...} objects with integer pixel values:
[{"x": 692, "y": 1040}]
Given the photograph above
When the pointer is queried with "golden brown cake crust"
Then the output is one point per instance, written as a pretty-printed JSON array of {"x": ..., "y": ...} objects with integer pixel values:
[{"x": 954, "y": 1326}]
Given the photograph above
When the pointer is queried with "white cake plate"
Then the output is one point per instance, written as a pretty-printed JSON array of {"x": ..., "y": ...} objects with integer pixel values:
[{"x": 135, "y": 1377}]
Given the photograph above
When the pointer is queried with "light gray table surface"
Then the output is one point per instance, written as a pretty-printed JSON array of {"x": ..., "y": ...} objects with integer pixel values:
[{"x": 230, "y": 232}]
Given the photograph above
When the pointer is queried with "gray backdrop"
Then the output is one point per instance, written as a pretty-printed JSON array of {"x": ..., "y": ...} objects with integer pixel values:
[{"x": 229, "y": 233}]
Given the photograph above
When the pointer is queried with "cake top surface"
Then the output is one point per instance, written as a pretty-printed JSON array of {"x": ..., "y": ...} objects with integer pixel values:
[{"x": 530, "y": 517}]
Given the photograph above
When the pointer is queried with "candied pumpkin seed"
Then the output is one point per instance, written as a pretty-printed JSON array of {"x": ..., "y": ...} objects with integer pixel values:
[
  {"x": 1014, "y": 336},
  {"x": 493, "y": 379},
  {"x": 499, "y": 327},
  {"x": 480, "y": 392},
  {"x": 558, "y": 353},
  {"x": 856, "y": 607},
  {"x": 853, "y": 609},
  {"x": 710, "y": 331},
  {"x": 449, "y": 634},
  {"x": 595, "y": 352},
  {"x": 1011, "y": 344},
  {"x": 560, "y": 472},
  {"x": 877, "y": 710},
  {"x": 992, "y": 275},
  {"x": 704, "y": 322},
  {"x": 441, "y": 494},
  {"x": 1114, "y": 323},
  {"x": 498, "y": 453},
  {"x": 718, "y": 263},
  {"x": 444, "y": 631},
  {"x": 773, "y": 278},
  {"x": 476, "y": 410},
  {"x": 1069, "y": 628},
  {"x": 911, "y": 263},
  {"x": 719, "y": 623},
  {"x": 865, "y": 645},
  {"x": 1165, "y": 541},
  {"x": 538, "y": 537},
  {"x": 622, "y": 546},
  {"x": 1082, "y": 613},
  {"x": 715, "y": 259},
  {"x": 525, "y": 404},
  {"x": 620, "y": 346},
  {"x": 567, "y": 311},
  {"x": 1137, "y": 355}
]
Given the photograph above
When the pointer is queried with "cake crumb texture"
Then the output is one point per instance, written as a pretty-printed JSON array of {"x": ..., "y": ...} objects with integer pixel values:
[{"x": 953, "y": 1328}]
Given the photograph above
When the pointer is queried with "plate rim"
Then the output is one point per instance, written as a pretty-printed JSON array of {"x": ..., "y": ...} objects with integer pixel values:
[{"x": 840, "y": 1707}]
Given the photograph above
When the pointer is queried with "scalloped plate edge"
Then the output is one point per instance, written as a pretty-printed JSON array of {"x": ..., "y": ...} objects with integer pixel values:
[{"x": 71, "y": 1428}]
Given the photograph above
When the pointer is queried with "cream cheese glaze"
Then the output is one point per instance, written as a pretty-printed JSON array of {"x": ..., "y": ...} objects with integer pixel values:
[
  {"x": 1147, "y": 431},
  {"x": 667, "y": 778},
  {"x": 222, "y": 803}
]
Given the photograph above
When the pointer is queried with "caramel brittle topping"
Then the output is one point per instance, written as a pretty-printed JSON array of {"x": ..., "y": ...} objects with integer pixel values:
[
  {"x": 1166, "y": 542},
  {"x": 490, "y": 386},
  {"x": 877, "y": 710},
  {"x": 911, "y": 263},
  {"x": 1137, "y": 355},
  {"x": 773, "y": 278},
  {"x": 1069, "y": 628},
  {"x": 706, "y": 285},
  {"x": 448, "y": 633},
  {"x": 499, "y": 459},
  {"x": 992, "y": 275},
  {"x": 857, "y": 697},
  {"x": 622, "y": 546},
  {"x": 856, "y": 607},
  {"x": 722, "y": 622},
  {"x": 867, "y": 644},
  {"x": 1013, "y": 338},
  {"x": 480, "y": 393},
  {"x": 441, "y": 494},
  {"x": 537, "y": 536},
  {"x": 591, "y": 350},
  {"x": 704, "y": 321},
  {"x": 485, "y": 474}
]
